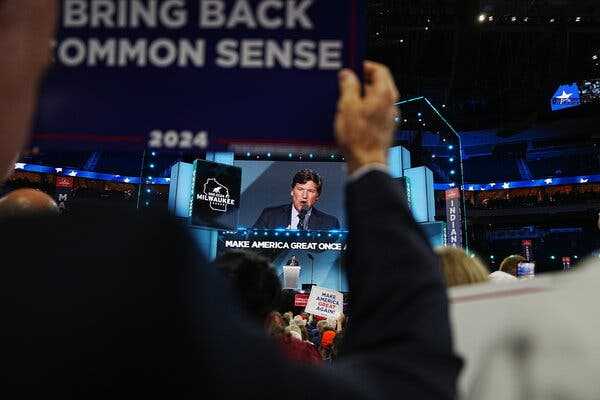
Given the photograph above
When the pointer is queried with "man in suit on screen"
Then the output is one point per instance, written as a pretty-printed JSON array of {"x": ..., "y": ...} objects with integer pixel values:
[{"x": 301, "y": 213}]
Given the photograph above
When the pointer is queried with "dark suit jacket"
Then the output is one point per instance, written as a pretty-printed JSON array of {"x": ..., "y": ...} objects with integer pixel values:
[
  {"x": 115, "y": 307},
  {"x": 281, "y": 217}
]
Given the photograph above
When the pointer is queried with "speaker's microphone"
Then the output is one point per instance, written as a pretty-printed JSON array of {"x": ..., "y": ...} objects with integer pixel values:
[
  {"x": 301, "y": 215},
  {"x": 303, "y": 211}
]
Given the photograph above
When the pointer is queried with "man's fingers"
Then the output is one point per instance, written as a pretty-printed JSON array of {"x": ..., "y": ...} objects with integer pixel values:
[
  {"x": 378, "y": 75},
  {"x": 377, "y": 80},
  {"x": 349, "y": 86},
  {"x": 380, "y": 92}
]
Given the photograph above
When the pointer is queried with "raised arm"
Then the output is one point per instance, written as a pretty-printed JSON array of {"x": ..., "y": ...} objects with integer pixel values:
[{"x": 399, "y": 304}]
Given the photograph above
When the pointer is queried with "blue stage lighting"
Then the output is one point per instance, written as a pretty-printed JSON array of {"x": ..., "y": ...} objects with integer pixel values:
[
  {"x": 450, "y": 147},
  {"x": 268, "y": 154},
  {"x": 451, "y": 159},
  {"x": 566, "y": 96}
]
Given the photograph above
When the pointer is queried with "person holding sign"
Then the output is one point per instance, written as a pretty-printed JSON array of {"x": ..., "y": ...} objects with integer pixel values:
[{"x": 112, "y": 306}]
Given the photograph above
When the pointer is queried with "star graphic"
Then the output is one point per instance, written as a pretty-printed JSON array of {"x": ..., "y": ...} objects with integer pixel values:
[
  {"x": 493, "y": 184},
  {"x": 583, "y": 180},
  {"x": 471, "y": 188},
  {"x": 73, "y": 173},
  {"x": 505, "y": 185},
  {"x": 58, "y": 170},
  {"x": 564, "y": 97},
  {"x": 19, "y": 165},
  {"x": 548, "y": 181},
  {"x": 126, "y": 180}
]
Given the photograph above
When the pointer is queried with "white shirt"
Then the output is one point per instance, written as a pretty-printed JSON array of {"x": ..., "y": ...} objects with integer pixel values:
[
  {"x": 296, "y": 219},
  {"x": 501, "y": 276}
]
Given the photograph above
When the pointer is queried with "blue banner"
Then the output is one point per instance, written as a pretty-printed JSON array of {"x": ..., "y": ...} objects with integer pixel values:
[{"x": 191, "y": 75}]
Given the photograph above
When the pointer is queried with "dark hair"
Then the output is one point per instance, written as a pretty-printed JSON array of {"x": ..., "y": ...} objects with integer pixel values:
[
  {"x": 287, "y": 300},
  {"x": 254, "y": 280},
  {"x": 509, "y": 264},
  {"x": 305, "y": 175}
]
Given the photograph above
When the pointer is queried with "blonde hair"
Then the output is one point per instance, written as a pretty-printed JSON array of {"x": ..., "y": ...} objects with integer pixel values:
[{"x": 460, "y": 269}]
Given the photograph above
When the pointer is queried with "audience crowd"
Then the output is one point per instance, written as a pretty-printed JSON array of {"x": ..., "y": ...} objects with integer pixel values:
[
  {"x": 531, "y": 197},
  {"x": 301, "y": 337}
]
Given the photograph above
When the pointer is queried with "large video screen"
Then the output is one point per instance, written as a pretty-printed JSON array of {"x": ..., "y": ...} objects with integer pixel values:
[
  {"x": 292, "y": 195},
  {"x": 317, "y": 256}
]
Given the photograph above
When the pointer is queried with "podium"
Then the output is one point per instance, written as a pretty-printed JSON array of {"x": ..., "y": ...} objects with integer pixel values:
[{"x": 291, "y": 276}]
